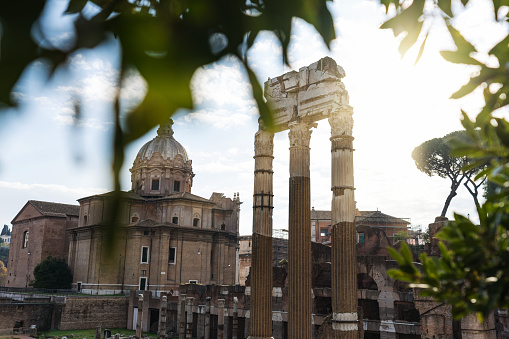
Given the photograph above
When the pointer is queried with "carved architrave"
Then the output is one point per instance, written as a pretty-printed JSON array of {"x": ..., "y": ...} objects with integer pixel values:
[
  {"x": 341, "y": 121},
  {"x": 264, "y": 143},
  {"x": 300, "y": 134},
  {"x": 311, "y": 93}
]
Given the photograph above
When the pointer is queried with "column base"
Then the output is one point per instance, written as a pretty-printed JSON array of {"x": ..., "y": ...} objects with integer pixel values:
[
  {"x": 251, "y": 337},
  {"x": 345, "y": 321}
]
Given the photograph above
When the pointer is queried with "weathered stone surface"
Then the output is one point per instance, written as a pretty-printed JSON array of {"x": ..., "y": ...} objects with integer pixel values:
[{"x": 310, "y": 94}]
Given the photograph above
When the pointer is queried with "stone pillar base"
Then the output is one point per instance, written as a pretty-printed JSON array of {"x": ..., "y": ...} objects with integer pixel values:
[{"x": 250, "y": 337}]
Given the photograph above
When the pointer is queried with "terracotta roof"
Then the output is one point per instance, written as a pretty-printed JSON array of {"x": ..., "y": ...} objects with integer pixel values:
[
  {"x": 377, "y": 217},
  {"x": 320, "y": 215},
  {"x": 55, "y": 209},
  {"x": 123, "y": 195},
  {"x": 366, "y": 217}
]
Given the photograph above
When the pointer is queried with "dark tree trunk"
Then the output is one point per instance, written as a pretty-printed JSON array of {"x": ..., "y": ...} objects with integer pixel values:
[
  {"x": 452, "y": 194},
  {"x": 448, "y": 201}
]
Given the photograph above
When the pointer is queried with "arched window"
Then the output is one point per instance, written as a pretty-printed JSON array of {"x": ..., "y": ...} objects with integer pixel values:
[
  {"x": 196, "y": 221},
  {"x": 25, "y": 239}
]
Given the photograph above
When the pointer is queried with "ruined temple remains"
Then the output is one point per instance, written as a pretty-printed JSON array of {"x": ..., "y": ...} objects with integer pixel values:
[{"x": 298, "y": 100}]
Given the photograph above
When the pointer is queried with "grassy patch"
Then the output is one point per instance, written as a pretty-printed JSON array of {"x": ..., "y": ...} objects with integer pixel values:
[{"x": 90, "y": 333}]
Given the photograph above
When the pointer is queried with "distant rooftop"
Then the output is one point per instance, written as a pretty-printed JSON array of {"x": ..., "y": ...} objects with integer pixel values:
[
  {"x": 55, "y": 209},
  {"x": 365, "y": 217}
]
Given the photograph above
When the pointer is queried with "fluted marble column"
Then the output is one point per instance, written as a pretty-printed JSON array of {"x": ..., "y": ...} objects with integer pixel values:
[
  {"x": 261, "y": 262},
  {"x": 343, "y": 256},
  {"x": 299, "y": 241}
]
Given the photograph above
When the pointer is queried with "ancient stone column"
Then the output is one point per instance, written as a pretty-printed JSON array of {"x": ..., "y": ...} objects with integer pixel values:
[
  {"x": 220, "y": 319},
  {"x": 189, "y": 318},
  {"x": 261, "y": 263},
  {"x": 162, "y": 326},
  {"x": 182, "y": 317},
  {"x": 139, "y": 323},
  {"x": 207, "y": 318},
  {"x": 235, "y": 318},
  {"x": 343, "y": 256},
  {"x": 98, "y": 332},
  {"x": 299, "y": 241}
]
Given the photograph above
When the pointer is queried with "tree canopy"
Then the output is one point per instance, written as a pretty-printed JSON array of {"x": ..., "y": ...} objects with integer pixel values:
[
  {"x": 401, "y": 236},
  {"x": 164, "y": 40},
  {"x": 3, "y": 274},
  {"x": 6, "y": 230},
  {"x": 52, "y": 273},
  {"x": 4, "y": 254},
  {"x": 434, "y": 157}
]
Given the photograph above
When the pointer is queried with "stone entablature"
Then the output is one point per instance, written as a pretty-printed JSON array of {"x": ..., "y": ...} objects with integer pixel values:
[{"x": 309, "y": 95}]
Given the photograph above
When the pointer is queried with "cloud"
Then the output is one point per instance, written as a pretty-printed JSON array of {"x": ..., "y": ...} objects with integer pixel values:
[
  {"x": 51, "y": 188},
  {"x": 222, "y": 84},
  {"x": 96, "y": 79},
  {"x": 222, "y": 118}
]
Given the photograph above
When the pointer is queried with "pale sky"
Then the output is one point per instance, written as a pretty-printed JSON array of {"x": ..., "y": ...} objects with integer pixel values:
[{"x": 396, "y": 107}]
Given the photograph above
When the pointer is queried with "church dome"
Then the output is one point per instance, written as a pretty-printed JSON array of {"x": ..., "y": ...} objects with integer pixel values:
[
  {"x": 162, "y": 166},
  {"x": 164, "y": 144}
]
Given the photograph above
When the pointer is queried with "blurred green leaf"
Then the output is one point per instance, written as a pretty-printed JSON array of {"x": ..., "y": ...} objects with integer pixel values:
[
  {"x": 407, "y": 21},
  {"x": 445, "y": 5}
]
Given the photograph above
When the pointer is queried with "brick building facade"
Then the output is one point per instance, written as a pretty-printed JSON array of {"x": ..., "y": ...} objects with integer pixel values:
[{"x": 39, "y": 230}]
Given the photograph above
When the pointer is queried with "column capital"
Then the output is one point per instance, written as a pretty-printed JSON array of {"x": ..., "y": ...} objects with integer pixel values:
[
  {"x": 341, "y": 121},
  {"x": 264, "y": 143},
  {"x": 300, "y": 134}
]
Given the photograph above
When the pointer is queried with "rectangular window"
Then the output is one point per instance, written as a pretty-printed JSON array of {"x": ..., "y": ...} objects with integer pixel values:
[
  {"x": 143, "y": 273},
  {"x": 144, "y": 255},
  {"x": 176, "y": 186},
  {"x": 193, "y": 281},
  {"x": 155, "y": 184},
  {"x": 323, "y": 232},
  {"x": 143, "y": 284},
  {"x": 175, "y": 220},
  {"x": 360, "y": 238},
  {"x": 172, "y": 256}
]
